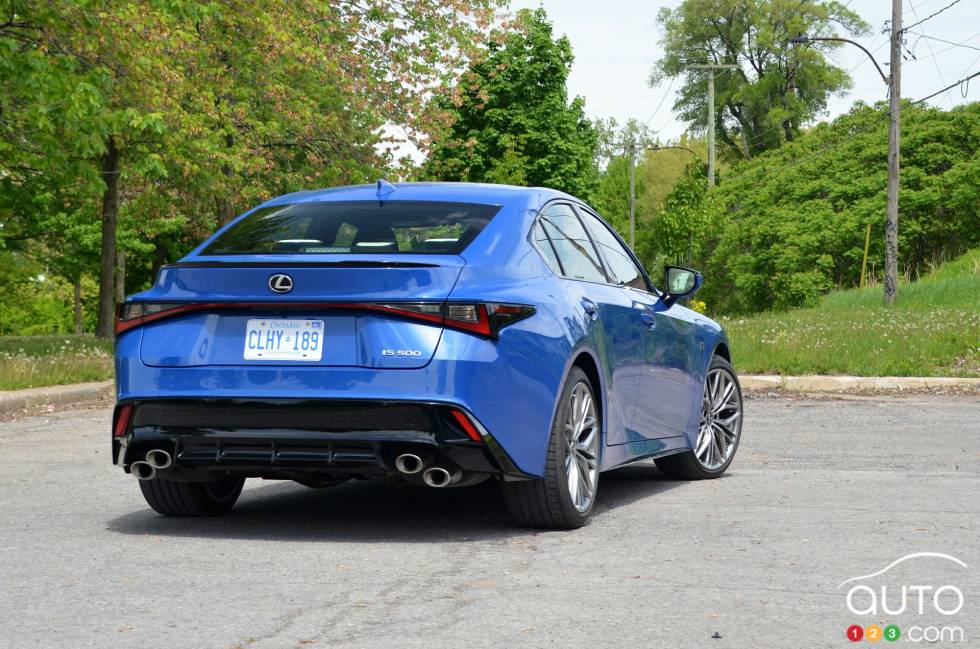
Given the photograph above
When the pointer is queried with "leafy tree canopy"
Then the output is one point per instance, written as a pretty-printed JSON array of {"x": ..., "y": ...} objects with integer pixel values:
[
  {"x": 777, "y": 87},
  {"x": 790, "y": 224},
  {"x": 513, "y": 121},
  {"x": 139, "y": 126}
]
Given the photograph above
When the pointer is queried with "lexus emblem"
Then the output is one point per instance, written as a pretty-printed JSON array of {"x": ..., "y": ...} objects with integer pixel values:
[{"x": 280, "y": 283}]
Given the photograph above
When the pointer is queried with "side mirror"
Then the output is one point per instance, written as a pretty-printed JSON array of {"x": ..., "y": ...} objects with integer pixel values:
[{"x": 680, "y": 283}]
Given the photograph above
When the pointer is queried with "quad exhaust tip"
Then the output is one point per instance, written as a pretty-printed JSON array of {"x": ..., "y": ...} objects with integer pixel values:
[
  {"x": 159, "y": 459},
  {"x": 439, "y": 477},
  {"x": 409, "y": 463},
  {"x": 143, "y": 470}
]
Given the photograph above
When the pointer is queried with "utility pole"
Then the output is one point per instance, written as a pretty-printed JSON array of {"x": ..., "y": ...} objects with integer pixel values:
[
  {"x": 633, "y": 140},
  {"x": 711, "y": 112},
  {"x": 894, "y": 134},
  {"x": 711, "y": 128},
  {"x": 894, "y": 81},
  {"x": 631, "y": 152}
]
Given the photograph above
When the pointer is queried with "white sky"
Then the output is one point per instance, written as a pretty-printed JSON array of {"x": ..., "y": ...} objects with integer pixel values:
[{"x": 616, "y": 42}]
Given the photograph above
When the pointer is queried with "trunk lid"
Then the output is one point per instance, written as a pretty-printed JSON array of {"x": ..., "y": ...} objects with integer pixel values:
[{"x": 242, "y": 319}]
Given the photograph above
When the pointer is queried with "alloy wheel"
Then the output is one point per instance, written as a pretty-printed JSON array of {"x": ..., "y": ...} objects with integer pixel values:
[
  {"x": 581, "y": 447},
  {"x": 721, "y": 420}
]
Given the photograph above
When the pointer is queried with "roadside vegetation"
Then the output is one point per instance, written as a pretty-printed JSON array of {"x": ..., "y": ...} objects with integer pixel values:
[
  {"x": 38, "y": 361},
  {"x": 934, "y": 330}
]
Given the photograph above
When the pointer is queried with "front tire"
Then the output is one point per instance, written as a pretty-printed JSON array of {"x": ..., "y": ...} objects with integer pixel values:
[
  {"x": 719, "y": 432},
  {"x": 565, "y": 497},
  {"x": 172, "y": 498}
]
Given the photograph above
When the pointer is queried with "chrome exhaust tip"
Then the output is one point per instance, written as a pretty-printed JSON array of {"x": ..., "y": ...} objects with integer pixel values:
[
  {"x": 159, "y": 459},
  {"x": 439, "y": 477},
  {"x": 143, "y": 470},
  {"x": 409, "y": 463}
]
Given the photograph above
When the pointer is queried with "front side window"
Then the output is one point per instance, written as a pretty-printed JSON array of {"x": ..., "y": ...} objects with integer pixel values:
[
  {"x": 624, "y": 270},
  {"x": 356, "y": 227},
  {"x": 572, "y": 245}
]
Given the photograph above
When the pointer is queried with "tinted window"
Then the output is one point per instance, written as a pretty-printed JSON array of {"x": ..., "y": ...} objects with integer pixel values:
[
  {"x": 624, "y": 270},
  {"x": 359, "y": 227},
  {"x": 575, "y": 250},
  {"x": 547, "y": 250}
]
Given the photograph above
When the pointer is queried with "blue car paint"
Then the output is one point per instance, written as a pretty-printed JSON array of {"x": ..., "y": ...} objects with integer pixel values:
[{"x": 650, "y": 378}]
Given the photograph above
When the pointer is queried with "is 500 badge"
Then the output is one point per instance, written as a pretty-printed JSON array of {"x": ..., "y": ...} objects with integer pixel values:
[{"x": 412, "y": 353}]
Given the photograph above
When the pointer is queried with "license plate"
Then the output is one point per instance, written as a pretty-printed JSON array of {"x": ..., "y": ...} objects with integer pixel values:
[{"x": 283, "y": 340}]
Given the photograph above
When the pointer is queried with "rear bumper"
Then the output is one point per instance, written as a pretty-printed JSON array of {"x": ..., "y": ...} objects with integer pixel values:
[
  {"x": 302, "y": 438},
  {"x": 510, "y": 386}
]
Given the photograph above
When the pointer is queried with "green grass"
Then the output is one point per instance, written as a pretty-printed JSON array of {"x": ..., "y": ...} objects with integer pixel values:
[
  {"x": 933, "y": 330},
  {"x": 37, "y": 361}
]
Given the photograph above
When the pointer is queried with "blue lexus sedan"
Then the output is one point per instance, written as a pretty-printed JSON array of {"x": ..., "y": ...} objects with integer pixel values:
[{"x": 440, "y": 333}]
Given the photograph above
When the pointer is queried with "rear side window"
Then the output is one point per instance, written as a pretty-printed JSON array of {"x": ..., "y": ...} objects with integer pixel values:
[
  {"x": 571, "y": 243},
  {"x": 624, "y": 270},
  {"x": 547, "y": 250},
  {"x": 357, "y": 227}
]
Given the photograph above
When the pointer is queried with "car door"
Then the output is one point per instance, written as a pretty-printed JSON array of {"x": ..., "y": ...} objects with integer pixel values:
[
  {"x": 608, "y": 315},
  {"x": 663, "y": 383}
]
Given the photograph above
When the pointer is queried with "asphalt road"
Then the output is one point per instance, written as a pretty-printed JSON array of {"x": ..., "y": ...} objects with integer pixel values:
[{"x": 821, "y": 490}]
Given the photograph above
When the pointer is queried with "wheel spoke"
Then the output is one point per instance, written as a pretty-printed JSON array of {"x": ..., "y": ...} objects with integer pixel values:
[
  {"x": 572, "y": 475},
  {"x": 727, "y": 430},
  {"x": 725, "y": 398},
  {"x": 569, "y": 432},
  {"x": 702, "y": 445},
  {"x": 584, "y": 445},
  {"x": 585, "y": 476},
  {"x": 730, "y": 421},
  {"x": 721, "y": 443}
]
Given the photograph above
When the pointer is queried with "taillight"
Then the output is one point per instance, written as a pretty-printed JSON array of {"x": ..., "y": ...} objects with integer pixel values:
[
  {"x": 502, "y": 315},
  {"x": 483, "y": 318},
  {"x": 133, "y": 314},
  {"x": 120, "y": 419},
  {"x": 486, "y": 318}
]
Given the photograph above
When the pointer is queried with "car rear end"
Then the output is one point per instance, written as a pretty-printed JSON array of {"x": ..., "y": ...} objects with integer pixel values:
[{"x": 322, "y": 340}]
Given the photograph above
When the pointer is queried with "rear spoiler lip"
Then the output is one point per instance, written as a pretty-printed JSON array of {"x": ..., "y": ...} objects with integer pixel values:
[{"x": 349, "y": 263}]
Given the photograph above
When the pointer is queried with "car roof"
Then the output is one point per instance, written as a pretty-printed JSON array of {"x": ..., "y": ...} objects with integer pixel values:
[{"x": 422, "y": 191}]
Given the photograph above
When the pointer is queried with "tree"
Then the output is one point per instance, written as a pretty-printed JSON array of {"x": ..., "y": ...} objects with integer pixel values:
[
  {"x": 139, "y": 126},
  {"x": 776, "y": 89},
  {"x": 512, "y": 119},
  {"x": 684, "y": 219},
  {"x": 790, "y": 224},
  {"x": 661, "y": 168}
]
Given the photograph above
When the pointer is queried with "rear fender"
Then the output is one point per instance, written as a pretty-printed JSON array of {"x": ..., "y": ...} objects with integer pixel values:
[{"x": 586, "y": 350}]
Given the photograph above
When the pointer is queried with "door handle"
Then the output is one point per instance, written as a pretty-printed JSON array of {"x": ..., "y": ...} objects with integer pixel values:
[
  {"x": 590, "y": 308},
  {"x": 649, "y": 320}
]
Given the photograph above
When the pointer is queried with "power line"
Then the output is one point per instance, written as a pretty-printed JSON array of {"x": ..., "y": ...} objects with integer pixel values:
[
  {"x": 833, "y": 145},
  {"x": 847, "y": 136},
  {"x": 970, "y": 67},
  {"x": 942, "y": 40},
  {"x": 662, "y": 100},
  {"x": 942, "y": 79},
  {"x": 965, "y": 80},
  {"x": 932, "y": 15}
]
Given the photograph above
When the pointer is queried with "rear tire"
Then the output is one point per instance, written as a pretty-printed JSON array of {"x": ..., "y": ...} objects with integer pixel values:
[
  {"x": 211, "y": 498},
  {"x": 549, "y": 503},
  {"x": 715, "y": 411}
]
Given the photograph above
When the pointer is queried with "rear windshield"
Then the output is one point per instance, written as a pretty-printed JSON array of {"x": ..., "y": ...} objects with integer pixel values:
[{"x": 358, "y": 227}]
